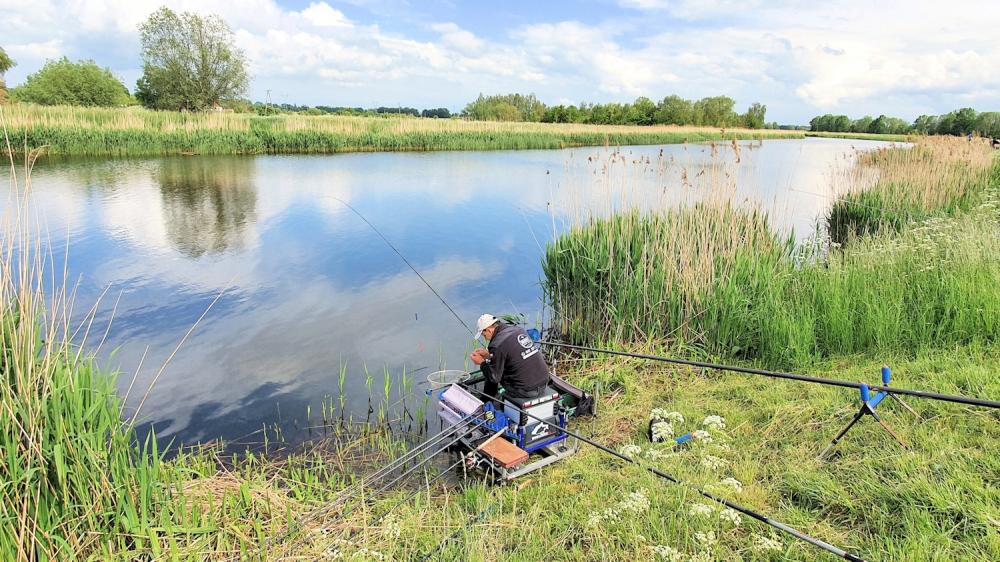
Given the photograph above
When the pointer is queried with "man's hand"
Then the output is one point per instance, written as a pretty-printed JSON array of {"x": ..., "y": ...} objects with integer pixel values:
[{"x": 479, "y": 355}]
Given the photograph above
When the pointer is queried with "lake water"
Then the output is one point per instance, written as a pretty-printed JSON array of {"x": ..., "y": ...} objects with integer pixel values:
[{"x": 308, "y": 288}]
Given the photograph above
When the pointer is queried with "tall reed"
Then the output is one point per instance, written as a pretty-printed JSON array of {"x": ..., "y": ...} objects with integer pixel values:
[
  {"x": 890, "y": 187},
  {"x": 140, "y": 132},
  {"x": 72, "y": 474},
  {"x": 686, "y": 274}
]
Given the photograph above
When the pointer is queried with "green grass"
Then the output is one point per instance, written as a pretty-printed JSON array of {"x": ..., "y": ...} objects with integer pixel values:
[
  {"x": 136, "y": 132},
  {"x": 936, "y": 501}
]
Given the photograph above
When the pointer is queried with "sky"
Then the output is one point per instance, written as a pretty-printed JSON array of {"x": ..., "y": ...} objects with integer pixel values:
[{"x": 800, "y": 58}]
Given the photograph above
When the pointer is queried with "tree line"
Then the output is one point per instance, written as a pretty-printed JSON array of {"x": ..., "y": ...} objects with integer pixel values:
[
  {"x": 714, "y": 111},
  {"x": 964, "y": 121},
  {"x": 263, "y": 108}
]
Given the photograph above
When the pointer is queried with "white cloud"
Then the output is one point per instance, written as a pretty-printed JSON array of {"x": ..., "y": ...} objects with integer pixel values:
[
  {"x": 798, "y": 57},
  {"x": 323, "y": 15},
  {"x": 50, "y": 49},
  {"x": 696, "y": 9}
]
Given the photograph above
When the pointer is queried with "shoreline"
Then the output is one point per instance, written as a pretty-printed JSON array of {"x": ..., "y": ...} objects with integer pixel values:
[{"x": 71, "y": 131}]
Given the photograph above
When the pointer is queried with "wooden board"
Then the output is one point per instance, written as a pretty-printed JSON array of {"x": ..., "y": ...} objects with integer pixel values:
[{"x": 505, "y": 453}]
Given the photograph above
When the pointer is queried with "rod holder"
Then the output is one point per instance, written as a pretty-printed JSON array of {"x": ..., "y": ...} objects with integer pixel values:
[{"x": 869, "y": 403}]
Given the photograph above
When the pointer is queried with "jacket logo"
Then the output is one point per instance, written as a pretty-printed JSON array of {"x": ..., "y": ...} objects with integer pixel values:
[{"x": 525, "y": 341}]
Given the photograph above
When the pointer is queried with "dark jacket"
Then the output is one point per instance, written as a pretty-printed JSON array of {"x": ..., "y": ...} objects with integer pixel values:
[{"x": 515, "y": 362}]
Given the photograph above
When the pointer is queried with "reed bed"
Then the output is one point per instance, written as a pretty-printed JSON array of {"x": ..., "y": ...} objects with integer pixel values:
[
  {"x": 720, "y": 279},
  {"x": 71, "y": 470},
  {"x": 76, "y": 131},
  {"x": 890, "y": 188},
  {"x": 681, "y": 275}
]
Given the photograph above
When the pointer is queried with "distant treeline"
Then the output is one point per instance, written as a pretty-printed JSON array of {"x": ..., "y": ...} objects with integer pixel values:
[
  {"x": 715, "y": 111},
  {"x": 959, "y": 122},
  {"x": 263, "y": 108}
]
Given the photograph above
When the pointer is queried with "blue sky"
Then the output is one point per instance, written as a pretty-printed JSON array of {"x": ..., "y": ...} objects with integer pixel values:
[{"x": 800, "y": 58}]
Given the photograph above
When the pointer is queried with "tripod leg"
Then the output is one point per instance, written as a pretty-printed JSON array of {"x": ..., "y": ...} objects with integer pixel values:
[
  {"x": 904, "y": 404},
  {"x": 891, "y": 432},
  {"x": 844, "y": 431}
]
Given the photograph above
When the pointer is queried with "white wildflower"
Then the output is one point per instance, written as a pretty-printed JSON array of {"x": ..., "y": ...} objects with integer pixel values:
[
  {"x": 630, "y": 450},
  {"x": 634, "y": 502},
  {"x": 701, "y": 435},
  {"x": 702, "y": 557},
  {"x": 701, "y": 509},
  {"x": 767, "y": 543},
  {"x": 667, "y": 553},
  {"x": 392, "y": 529},
  {"x": 655, "y": 454},
  {"x": 717, "y": 423},
  {"x": 731, "y": 515},
  {"x": 707, "y": 538},
  {"x": 713, "y": 463},
  {"x": 594, "y": 519},
  {"x": 662, "y": 431},
  {"x": 663, "y": 414},
  {"x": 732, "y": 483}
]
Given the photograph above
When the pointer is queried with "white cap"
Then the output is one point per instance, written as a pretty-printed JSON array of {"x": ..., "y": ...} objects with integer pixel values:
[{"x": 485, "y": 321}]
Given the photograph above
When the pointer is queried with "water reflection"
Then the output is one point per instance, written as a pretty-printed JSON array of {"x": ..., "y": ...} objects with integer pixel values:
[
  {"x": 308, "y": 287},
  {"x": 208, "y": 202}
]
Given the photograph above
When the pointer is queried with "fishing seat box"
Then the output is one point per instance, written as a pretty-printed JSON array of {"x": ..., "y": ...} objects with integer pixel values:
[{"x": 539, "y": 408}]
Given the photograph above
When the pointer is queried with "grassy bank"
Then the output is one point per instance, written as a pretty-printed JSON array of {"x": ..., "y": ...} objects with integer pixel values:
[
  {"x": 720, "y": 279},
  {"x": 78, "y": 131}
]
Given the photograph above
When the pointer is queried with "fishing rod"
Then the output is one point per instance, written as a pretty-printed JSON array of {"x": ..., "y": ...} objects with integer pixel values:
[
  {"x": 463, "y": 434},
  {"x": 413, "y": 494},
  {"x": 407, "y": 262},
  {"x": 790, "y": 376},
  {"x": 345, "y": 494},
  {"x": 673, "y": 479}
]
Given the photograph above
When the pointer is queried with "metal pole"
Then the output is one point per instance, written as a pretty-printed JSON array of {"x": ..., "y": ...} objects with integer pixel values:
[{"x": 790, "y": 376}]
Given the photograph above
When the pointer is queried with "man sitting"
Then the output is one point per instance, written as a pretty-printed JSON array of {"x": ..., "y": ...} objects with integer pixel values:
[{"x": 512, "y": 360}]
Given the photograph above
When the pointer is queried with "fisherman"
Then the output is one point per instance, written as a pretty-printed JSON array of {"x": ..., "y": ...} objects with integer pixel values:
[{"x": 513, "y": 360}]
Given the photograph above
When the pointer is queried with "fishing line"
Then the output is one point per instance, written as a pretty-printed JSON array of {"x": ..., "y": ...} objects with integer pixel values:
[
  {"x": 673, "y": 479},
  {"x": 790, "y": 376},
  {"x": 407, "y": 262}
]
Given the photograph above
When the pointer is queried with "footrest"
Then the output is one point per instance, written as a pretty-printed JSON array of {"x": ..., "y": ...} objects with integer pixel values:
[{"x": 504, "y": 453}]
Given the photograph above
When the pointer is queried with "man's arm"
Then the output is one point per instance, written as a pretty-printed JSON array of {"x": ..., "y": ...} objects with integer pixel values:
[{"x": 494, "y": 366}]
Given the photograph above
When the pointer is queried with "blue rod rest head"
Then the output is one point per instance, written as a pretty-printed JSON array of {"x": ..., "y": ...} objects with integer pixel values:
[
  {"x": 534, "y": 334},
  {"x": 865, "y": 395},
  {"x": 886, "y": 374}
]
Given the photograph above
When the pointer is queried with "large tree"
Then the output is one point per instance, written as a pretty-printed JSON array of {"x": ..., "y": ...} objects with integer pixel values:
[
  {"x": 62, "y": 82},
  {"x": 189, "y": 62}
]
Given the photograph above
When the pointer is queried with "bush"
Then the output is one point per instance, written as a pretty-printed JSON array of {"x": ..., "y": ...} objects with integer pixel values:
[{"x": 61, "y": 82}]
